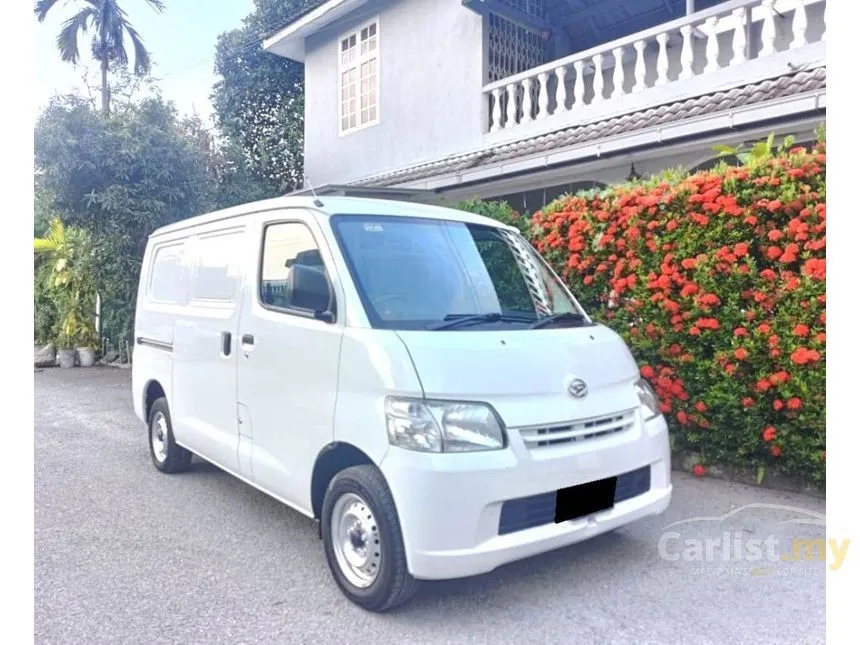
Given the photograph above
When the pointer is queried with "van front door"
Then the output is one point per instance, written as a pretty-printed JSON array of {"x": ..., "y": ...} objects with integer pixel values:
[
  {"x": 203, "y": 409},
  {"x": 290, "y": 334}
]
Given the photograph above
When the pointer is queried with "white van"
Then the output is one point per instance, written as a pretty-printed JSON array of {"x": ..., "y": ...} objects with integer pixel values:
[{"x": 415, "y": 378}]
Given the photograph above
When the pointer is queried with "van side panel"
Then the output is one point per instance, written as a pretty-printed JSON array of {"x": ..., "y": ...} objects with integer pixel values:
[
  {"x": 203, "y": 409},
  {"x": 162, "y": 296}
]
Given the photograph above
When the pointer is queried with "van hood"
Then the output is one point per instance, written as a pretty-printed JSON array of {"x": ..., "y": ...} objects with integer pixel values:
[{"x": 525, "y": 374}]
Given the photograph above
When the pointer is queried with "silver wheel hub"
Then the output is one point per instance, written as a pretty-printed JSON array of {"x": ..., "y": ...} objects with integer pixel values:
[
  {"x": 355, "y": 539},
  {"x": 158, "y": 435}
]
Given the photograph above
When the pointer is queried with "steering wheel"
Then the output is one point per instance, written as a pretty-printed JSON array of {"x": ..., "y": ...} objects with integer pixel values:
[{"x": 378, "y": 301}]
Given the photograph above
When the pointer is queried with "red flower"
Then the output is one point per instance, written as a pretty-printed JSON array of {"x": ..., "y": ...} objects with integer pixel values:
[
  {"x": 647, "y": 371},
  {"x": 801, "y": 330},
  {"x": 773, "y": 252},
  {"x": 709, "y": 300},
  {"x": 682, "y": 417},
  {"x": 752, "y": 220},
  {"x": 774, "y": 235},
  {"x": 731, "y": 368},
  {"x": 821, "y": 337},
  {"x": 699, "y": 470},
  {"x": 694, "y": 331},
  {"x": 778, "y": 405},
  {"x": 701, "y": 407},
  {"x": 762, "y": 385},
  {"x": 740, "y": 331},
  {"x": 741, "y": 249},
  {"x": 763, "y": 328},
  {"x": 794, "y": 403},
  {"x": 769, "y": 433},
  {"x": 778, "y": 378},
  {"x": 741, "y": 354},
  {"x": 748, "y": 402},
  {"x": 775, "y": 450},
  {"x": 802, "y": 356}
]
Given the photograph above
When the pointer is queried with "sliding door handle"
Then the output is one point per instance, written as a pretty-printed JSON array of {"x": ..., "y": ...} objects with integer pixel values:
[{"x": 226, "y": 343}]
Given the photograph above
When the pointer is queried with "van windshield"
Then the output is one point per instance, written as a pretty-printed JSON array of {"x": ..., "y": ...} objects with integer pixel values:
[{"x": 420, "y": 273}]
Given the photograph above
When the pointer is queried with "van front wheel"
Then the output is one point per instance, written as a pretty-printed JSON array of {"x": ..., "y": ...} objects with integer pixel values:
[
  {"x": 166, "y": 455},
  {"x": 362, "y": 540}
]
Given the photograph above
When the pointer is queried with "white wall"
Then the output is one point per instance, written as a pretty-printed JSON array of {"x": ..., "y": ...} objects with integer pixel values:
[{"x": 431, "y": 70}]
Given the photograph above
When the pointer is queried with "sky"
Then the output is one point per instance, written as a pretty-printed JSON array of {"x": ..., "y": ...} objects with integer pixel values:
[{"x": 181, "y": 42}]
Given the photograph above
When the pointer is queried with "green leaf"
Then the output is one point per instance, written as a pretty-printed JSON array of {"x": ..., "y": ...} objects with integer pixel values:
[
  {"x": 760, "y": 475},
  {"x": 725, "y": 151}
]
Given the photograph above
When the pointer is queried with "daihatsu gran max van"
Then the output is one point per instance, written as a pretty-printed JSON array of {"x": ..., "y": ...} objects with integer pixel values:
[{"x": 415, "y": 378}]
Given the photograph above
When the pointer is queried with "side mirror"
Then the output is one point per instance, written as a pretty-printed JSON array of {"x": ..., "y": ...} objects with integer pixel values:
[{"x": 309, "y": 289}]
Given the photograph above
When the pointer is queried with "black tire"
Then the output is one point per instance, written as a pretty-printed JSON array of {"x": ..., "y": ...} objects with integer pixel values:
[
  {"x": 177, "y": 459},
  {"x": 393, "y": 585}
]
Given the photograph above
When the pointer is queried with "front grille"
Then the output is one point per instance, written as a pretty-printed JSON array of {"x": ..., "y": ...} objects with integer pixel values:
[
  {"x": 537, "y": 510},
  {"x": 541, "y": 436}
]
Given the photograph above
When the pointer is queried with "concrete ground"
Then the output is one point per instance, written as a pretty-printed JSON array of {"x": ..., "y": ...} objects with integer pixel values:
[{"x": 127, "y": 555}]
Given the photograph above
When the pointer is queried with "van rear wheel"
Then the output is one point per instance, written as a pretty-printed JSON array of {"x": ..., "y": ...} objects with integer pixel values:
[
  {"x": 362, "y": 540},
  {"x": 166, "y": 455}
]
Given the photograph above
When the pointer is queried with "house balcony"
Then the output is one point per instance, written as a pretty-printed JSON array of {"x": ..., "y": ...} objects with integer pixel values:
[{"x": 729, "y": 44}]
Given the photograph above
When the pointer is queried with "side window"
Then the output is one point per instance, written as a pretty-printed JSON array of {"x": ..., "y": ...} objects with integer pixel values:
[
  {"x": 167, "y": 279},
  {"x": 292, "y": 274},
  {"x": 216, "y": 267}
]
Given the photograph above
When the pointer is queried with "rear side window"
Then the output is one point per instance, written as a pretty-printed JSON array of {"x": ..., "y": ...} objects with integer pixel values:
[
  {"x": 292, "y": 273},
  {"x": 167, "y": 281},
  {"x": 216, "y": 267}
]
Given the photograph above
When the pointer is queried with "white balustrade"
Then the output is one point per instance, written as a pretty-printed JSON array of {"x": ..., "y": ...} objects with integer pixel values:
[
  {"x": 705, "y": 38},
  {"x": 740, "y": 39},
  {"x": 799, "y": 25},
  {"x": 687, "y": 52},
  {"x": 640, "y": 71},
  {"x": 768, "y": 28},
  {"x": 712, "y": 49},
  {"x": 598, "y": 78},
  {"x": 527, "y": 101},
  {"x": 511, "y": 91},
  {"x": 618, "y": 74},
  {"x": 543, "y": 96},
  {"x": 579, "y": 87},
  {"x": 561, "y": 89}
]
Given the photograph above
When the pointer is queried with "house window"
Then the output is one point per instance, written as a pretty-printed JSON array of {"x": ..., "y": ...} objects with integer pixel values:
[{"x": 359, "y": 78}]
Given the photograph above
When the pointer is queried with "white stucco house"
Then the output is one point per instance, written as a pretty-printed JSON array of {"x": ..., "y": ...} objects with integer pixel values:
[{"x": 438, "y": 100}]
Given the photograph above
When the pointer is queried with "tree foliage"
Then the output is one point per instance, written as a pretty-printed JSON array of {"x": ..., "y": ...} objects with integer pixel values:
[
  {"x": 119, "y": 178},
  {"x": 259, "y": 99}
]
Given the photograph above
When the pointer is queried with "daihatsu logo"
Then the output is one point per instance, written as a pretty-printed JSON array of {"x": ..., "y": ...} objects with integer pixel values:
[{"x": 577, "y": 388}]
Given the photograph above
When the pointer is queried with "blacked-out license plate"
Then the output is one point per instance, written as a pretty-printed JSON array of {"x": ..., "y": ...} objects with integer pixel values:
[{"x": 586, "y": 499}]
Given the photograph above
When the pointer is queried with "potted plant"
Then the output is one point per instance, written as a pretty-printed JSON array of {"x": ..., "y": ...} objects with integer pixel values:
[
  {"x": 66, "y": 253},
  {"x": 87, "y": 342}
]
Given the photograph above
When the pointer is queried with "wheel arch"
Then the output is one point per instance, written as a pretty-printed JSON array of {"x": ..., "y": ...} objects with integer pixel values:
[
  {"x": 331, "y": 460},
  {"x": 152, "y": 391}
]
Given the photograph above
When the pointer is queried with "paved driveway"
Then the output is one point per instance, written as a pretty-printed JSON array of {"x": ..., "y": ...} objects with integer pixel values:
[{"x": 127, "y": 555}]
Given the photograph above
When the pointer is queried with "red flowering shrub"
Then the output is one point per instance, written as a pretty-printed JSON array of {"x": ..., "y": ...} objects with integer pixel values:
[{"x": 717, "y": 282}]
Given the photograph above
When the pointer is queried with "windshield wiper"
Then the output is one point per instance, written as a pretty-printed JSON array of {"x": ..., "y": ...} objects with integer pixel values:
[
  {"x": 564, "y": 316},
  {"x": 456, "y": 320}
]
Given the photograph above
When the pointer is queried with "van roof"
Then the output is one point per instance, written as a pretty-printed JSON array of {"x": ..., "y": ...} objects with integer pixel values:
[{"x": 333, "y": 206}]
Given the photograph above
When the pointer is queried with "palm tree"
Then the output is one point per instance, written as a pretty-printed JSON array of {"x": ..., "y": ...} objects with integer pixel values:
[{"x": 110, "y": 26}]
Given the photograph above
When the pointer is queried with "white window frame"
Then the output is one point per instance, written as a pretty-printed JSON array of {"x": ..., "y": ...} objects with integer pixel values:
[{"x": 356, "y": 65}]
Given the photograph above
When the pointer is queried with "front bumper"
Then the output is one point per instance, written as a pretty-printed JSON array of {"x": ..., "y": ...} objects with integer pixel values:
[{"x": 450, "y": 505}]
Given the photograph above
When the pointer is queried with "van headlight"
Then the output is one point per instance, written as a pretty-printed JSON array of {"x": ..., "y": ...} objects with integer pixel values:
[
  {"x": 648, "y": 399},
  {"x": 442, "y": 426}
]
